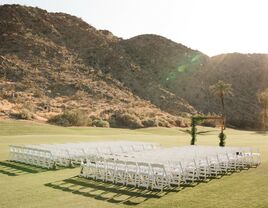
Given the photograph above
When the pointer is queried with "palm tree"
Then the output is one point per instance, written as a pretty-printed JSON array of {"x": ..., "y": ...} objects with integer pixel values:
[
  {"x": 221, "y": 89},
  {"x": 263, "y": 100}
]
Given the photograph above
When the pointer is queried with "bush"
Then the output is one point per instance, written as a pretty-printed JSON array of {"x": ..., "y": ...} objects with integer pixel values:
[
  {"x": 37, "y": 93},
  {"x": 163, "y": 123},
  {"x": 171, "y": 121},
  {"x": 181, "y": 122},
  {"x": 93, "y": 117},
  {"x": 89, "y": 122},
  {"x": 24, "y": 114},
  {"x": 100, "y": 123},
  {"x": 125, "y": 120},
  {"x": 150, "y": 122},
  {"x": 79, "y": 95},
  {"x": 70, "y": 118},
  {"x": 222, "y": 137},
  {"x": 61, "y": 120}
]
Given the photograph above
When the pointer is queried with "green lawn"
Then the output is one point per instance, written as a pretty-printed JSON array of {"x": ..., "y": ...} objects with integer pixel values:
[{"x": 26, "y": 186}]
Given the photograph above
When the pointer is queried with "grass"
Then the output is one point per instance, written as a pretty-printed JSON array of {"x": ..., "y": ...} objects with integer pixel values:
[{"x": 27, "y": 186}]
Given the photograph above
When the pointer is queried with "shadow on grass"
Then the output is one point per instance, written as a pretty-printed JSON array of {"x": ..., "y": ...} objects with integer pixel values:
[
  {"x": 114, "y": 193},
  {"x": 104, "y": 191},
  {"x": 15, "y": 169}
]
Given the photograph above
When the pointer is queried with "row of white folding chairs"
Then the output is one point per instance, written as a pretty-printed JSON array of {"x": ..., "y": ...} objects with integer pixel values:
[
  {"x": 105, "y": 147},
  {"x": 61, "y": 157},
  {"x": 201, "y": 167},
  {"x": 248, "y": 156},
  {"x": 237, "y": 157},
  {"x": 126, "y": 172},
  {"x": 32, "y": 156},
  {"x": 250, "y": 152},
  {"x": 204, "y": 167},
  {"x": 145, "y": 174},
  {"x": 172, "y": 172},
  {"x": 69, "y": 154}
]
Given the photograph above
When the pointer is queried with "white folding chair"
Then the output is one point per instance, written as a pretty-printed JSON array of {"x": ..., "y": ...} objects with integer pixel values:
[
  {"x": 176, "y": 173},
  {"x": 131, "y": 173},
  {"x": 144, "y": 174},
  {"x": 120, "y": 171},
  {"x": 110, "y": 170},
  {"x": 100, "y": 168},
  {"x": 159, "y": 177}
]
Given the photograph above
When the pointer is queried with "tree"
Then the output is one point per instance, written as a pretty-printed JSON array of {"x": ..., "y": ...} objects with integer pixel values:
[
  {"x": 221, "y": 89},
  {"x": 197, "y": 120},
  {"x": 263, "y": 100}
]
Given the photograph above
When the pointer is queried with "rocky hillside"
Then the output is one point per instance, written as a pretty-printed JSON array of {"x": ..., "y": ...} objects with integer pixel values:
[
  {"x": 188, "y": 74},
  {"x": 50, "y": 63},
  {"x": 248, "y": 74}
]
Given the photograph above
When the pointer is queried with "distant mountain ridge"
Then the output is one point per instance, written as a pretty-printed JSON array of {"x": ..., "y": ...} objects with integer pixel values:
[
  {"x": 49, "y": 63},
  {"x": 188, "y": 74},
  {"x": 58, "y": 56}
]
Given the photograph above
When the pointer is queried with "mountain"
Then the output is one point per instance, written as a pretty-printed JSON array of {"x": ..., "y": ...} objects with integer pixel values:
[
  {"x": 188, "y": 74},
  {"x": 54, "y": 61},
  {"x": 248, "y": 74}
]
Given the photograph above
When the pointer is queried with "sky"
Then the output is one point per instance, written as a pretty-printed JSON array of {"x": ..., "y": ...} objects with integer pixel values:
[{"x": 210, "y": 26}]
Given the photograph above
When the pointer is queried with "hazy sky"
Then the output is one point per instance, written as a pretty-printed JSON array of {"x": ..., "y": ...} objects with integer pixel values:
[{"x": 211, "y": 26}]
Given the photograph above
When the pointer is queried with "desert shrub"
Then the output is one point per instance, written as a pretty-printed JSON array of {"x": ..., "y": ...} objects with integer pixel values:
[
  {"x": 93, "y": 117},
  {"x": 79, "y": 95},
  {"x": 61, "y": 120},
  {"x": 163, "y": 123},
  {"x": 30, "y": 106},
  {"x": 179, "y": 122},
  {"x": 125, "y": 120},
  {"x": 38, "y": 93},
  {"x": 182, "y": 122},
  {"x": 23, "y": 114},
  {"x": 171, "y": 121},
  {"x": 100, "y": 123},
  {"x": 150, "y": 122},
  {"x": 70, "y": 118},
  {"x": 89, "y": 122}
]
